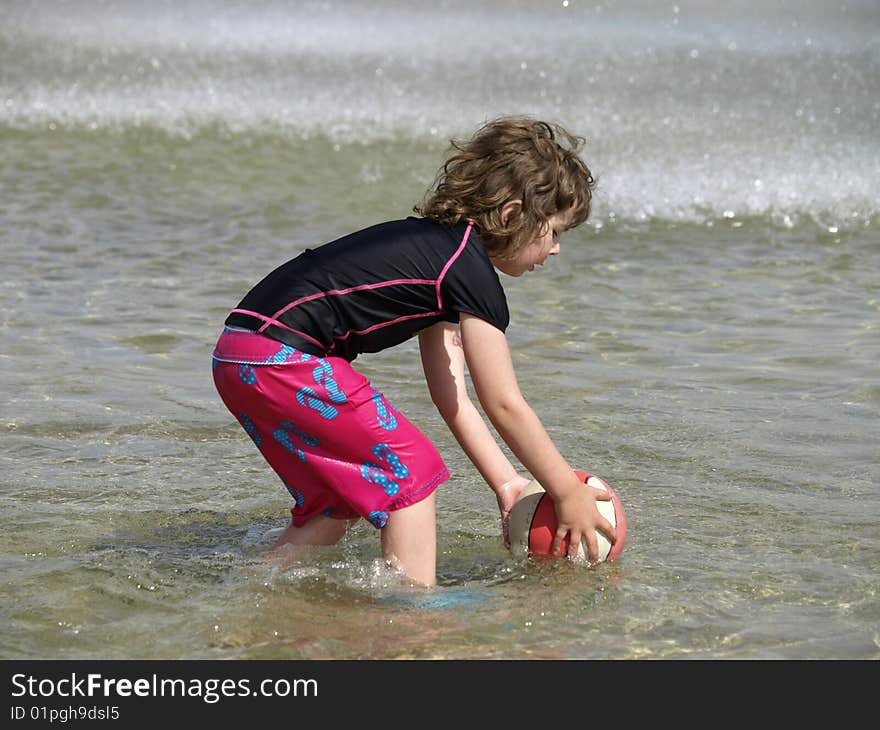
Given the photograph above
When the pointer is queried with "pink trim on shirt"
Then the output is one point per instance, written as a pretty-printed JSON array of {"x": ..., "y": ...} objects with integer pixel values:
[
  {"x": 379, "y": 325},
  {"x": 449, "y": 263},
  {"x": 267, "y": 321},
  {"x": 341, "y": 292}
]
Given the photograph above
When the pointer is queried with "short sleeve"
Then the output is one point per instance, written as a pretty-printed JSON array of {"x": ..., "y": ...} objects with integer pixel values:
[{"x": 471, "y": 285}]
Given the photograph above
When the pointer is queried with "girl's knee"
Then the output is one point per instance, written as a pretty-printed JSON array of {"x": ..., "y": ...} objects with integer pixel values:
[{"x": 409, "y": 541}]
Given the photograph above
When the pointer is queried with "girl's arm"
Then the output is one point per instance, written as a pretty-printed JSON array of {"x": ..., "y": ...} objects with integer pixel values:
[
  {"x": 443, "y": 362},
  {"x": 491, "y": 369}
]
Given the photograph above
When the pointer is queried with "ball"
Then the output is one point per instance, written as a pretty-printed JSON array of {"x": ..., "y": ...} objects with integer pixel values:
[{"x": 533, "y": 522}]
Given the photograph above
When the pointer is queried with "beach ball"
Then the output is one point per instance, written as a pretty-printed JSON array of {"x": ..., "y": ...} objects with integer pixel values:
[{"x": 533, "y": 522}]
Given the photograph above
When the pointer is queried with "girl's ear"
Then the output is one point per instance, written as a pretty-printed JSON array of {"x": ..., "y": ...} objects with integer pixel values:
[{"x": 511, "y": 207}]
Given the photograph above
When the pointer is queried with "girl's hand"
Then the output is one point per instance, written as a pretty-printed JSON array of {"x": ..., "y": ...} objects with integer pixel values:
[
  {"x": 579, "y": 518},
  {"x": 507, "y": 494}
]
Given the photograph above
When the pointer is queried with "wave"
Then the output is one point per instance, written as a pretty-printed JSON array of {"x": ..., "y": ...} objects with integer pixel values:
[{"x": 691, "y": 112}]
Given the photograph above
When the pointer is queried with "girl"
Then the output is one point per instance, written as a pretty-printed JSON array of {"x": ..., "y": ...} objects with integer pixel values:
[{"x": 283, "y": 363}]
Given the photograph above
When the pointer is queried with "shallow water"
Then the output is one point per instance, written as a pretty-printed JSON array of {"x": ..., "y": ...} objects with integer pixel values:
[{"x": 708, "y": 343}]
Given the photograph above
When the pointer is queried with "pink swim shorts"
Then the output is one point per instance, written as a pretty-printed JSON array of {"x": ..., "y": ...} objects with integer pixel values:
[{"x": 340, "y": 448}]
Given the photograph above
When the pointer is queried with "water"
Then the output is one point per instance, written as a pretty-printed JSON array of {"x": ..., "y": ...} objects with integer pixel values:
[{"x": 708, "y": 342}]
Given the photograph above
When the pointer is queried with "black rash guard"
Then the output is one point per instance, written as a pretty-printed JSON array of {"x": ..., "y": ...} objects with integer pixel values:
[{"x": 375, "y": 288}]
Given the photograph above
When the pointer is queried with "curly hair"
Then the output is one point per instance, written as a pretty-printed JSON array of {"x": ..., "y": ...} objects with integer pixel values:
[{"x": 508, "y": 159}]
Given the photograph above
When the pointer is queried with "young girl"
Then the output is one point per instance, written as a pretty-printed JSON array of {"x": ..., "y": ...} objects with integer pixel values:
[{"x": 283, "y": 363}]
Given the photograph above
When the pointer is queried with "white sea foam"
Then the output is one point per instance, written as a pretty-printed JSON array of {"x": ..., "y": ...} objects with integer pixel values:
[{"x": 691, "y": 111}]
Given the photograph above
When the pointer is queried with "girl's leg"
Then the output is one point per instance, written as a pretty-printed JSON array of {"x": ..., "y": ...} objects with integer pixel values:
[
  {"x": 320, "y": 530},
  {"x": 409, "y": 541}
]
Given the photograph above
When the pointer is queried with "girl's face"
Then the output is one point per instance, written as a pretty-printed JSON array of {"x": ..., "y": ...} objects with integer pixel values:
[{"x": 536, "y": 251}]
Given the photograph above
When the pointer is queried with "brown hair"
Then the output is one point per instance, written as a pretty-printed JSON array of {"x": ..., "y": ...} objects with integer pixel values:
[{"x": 511, "y": 158}]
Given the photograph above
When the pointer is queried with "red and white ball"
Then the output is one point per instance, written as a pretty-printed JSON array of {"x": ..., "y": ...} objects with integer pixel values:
[{"x": 533, "y": 522}]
